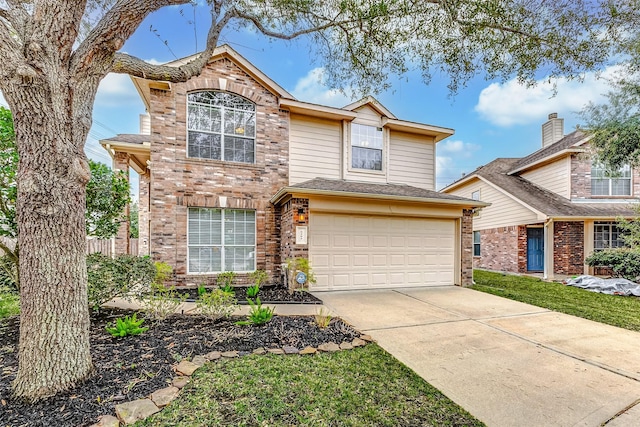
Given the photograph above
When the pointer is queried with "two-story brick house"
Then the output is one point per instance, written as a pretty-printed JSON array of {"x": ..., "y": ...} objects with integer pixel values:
[
  {"x": 550, "y": 209},
  {"x": 238, "y": 175}
]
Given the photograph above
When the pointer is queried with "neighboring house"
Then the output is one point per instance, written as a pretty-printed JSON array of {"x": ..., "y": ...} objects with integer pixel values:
[
  {"x": 550, "y": 209},
  {"x": 238, "y": 175}
]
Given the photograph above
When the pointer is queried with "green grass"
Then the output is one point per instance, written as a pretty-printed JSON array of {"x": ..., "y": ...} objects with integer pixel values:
[
  {"x": 613, "y": 310},
  {"x": 361, "y": 387},
  {"x": 9, "y": 304}
]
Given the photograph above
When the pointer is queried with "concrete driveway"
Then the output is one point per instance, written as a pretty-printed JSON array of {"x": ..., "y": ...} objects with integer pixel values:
[{"x": 508, "y": 363}]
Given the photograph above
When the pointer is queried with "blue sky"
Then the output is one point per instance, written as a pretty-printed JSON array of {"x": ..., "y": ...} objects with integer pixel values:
[{"x": 490, "y": 119}]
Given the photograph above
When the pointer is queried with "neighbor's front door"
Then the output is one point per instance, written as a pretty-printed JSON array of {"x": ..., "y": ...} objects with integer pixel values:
[{"x": 535, "y": 249}]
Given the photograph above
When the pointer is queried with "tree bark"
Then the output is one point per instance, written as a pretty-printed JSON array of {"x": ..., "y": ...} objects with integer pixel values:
[{"x": 52, "y": 175}]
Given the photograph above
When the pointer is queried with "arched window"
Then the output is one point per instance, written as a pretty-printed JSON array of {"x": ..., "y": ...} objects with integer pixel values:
[{"x": 221, "y": 126}]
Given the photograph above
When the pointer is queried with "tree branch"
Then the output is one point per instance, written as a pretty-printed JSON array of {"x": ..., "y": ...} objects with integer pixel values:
[{"x": 111, "y": 32}]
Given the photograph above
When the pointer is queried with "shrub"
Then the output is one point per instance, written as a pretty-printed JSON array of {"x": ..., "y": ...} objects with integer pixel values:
[
  {"x": 8, "y": 273},
  {"x": 121, "y": 276},
  {"x": 252, "y": 291},
  {"x": 217, "y": 304},
  {"x": 258, "y": 315},
  {"x": 163, "y": 272},
  {"x": 295, "y": 265},
  {"x": 129, "y": 325},
  {"x": 259, "y": 277},
  {"x": 623, "y": 262},
  {"x": 163, "y": 301},
  {"x": 322, "y": 318},
  {"x": 225, "y": 280}
]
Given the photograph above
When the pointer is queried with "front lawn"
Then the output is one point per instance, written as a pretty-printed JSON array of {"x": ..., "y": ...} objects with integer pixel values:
[
  {"x": 9, "y": 303},
  {"x": 620, "y": 311},
  {"x": 360, "y": 387}
]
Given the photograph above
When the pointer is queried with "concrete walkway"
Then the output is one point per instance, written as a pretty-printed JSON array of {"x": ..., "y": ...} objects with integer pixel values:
[{"x": 509, "y": 364}]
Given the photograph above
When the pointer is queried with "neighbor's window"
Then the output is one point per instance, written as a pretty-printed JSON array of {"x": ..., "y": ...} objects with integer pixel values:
[
  {"x": 607, "y": 235},
  {"x": 475, "y": 195},
  {"x": 607, "y": 183},
  {"x": 221, "y": 126},
  {"x": 366, "y": 147},
  {"x": 221, "y": 240},
  {"x": 476, "y": 243}
]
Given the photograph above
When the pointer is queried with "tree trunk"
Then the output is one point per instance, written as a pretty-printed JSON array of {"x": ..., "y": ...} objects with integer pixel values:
[{"x": 52, "y": 175}]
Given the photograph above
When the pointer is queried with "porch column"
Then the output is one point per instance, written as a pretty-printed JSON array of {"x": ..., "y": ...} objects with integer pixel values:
[
  {"x": 121, "y": 246},
  {"x": 548, "y": 249},
  {"x": 588, "y": 244},
  {"x": 143, "y": 214}
]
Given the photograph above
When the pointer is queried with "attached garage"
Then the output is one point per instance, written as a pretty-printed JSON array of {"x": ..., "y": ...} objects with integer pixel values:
[
  {"x": 372, "y": 251},
  {"x": 368, "y": 236}
]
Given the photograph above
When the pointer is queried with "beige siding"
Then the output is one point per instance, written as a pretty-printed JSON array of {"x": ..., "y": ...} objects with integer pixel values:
[
  {"x": 554, "y": 177},
  {"x": 315, "y": 147},
  {"x": 412, "y": 160},
  {"x": 368, "y": 116},
  {"x": 504, "y": 211}
]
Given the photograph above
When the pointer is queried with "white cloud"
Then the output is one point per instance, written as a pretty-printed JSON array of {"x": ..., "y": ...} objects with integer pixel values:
[
  {"x": 311, "y": 88},
  {"x": 512, "y": 103},
  {"x": 116, "y": 89},
  {"x": 452, "y": 158}
]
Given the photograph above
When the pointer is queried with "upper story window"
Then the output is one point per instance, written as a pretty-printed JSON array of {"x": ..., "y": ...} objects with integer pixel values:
[
  {"x": 607, "y": 183},
  {"x": 366, "y": 147},
  {"x": 475, "y": 195},
  {"x": 221, "y": 126}
]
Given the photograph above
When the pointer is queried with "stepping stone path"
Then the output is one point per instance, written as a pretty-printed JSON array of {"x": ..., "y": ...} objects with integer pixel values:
[{"x": 130, "y": 412}]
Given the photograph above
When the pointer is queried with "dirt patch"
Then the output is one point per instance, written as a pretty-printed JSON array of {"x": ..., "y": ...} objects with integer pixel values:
[{"x": 133, "y": 367}]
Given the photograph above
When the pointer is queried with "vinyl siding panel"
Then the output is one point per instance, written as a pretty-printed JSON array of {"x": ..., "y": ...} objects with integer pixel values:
[
  {"x": 314, "y": 148},
  {"x": 368, "y": 116},
  {"x": 554, "y": 177},
  {"x": 412, "y": 160},
  {"x": 503, "y": 212}
]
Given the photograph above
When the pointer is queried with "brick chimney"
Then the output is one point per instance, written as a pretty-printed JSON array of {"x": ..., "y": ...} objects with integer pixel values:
[{"x": 552, "y": 130}]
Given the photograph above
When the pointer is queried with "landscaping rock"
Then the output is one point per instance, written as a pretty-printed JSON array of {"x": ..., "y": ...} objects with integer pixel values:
[
  {"x": 186, "y": 368},
  {"x": 329, "y": 347},
  {"x": 290, "y": 350},
  {"x": 164, "y": 396},
  {"x": 214, "y": 355},
  {"x": 366, "y": 338},
  {"x": 276, "y": 351},
  {"x": 136, "y": 410},
  {"x": 107, "y": 421},
  {"x": 180, "y": 382},
  {"x": 357, "y": 342},
  {"x": 230, "y": 354},
  {"x": 260, "y": 351},
  {"x": 308, "y": 350},
  {"x": 346, "y": 346},
  {"x": 199, "y": 360}
]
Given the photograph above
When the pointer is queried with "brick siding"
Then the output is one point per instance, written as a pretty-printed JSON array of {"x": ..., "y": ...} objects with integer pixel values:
[
  {"x": 568, "y": 247},
  {"x": 466, "y": 264},
  {"x": 178, "y": 182},
  {"x": 498, "y": 249}
]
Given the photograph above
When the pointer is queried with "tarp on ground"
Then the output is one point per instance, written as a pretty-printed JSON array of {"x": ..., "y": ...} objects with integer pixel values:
[{"x": 614, "y": 286}]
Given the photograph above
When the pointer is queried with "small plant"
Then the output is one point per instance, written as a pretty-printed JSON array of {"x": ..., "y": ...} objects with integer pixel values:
[
  {"x": 163, "y": 272},
  {"x": 228, "y": 289},
  {"x": 259, "y": 277},
  {"x": 201, "y": 290},
  {"x": 217, "y": 304},
  {"x": 295, "y": 265},
  {"x": 258, "y": 315},
  {"x": 252, "y": 291},
  {"x": 163, "y": 301},
  {"x": 322, "y": 318},
  {"x": 225, "y": 280},
  {"x": 124, "y": 326}
]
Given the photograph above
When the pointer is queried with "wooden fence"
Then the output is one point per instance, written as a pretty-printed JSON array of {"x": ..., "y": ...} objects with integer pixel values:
[{"x": 106, "y": 246}]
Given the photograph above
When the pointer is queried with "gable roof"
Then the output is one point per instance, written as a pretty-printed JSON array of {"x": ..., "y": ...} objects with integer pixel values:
[
  {"x": 341, "y": 187},
  {"x": 545, "y": 201},
  {"x": 223, "y": 51},
  {"x": 567, "y": 144},
  {"x": 373, "y": 103}
]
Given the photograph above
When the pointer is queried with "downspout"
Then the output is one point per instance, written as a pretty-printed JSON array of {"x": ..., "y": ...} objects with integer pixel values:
[{"x": 548, "y": 249}]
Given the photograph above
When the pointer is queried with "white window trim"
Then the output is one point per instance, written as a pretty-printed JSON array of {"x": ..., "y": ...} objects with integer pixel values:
[
  {"x": 610, "y": 224},
  {"x": 349, "y": 150},
  {"x": 479, "y": 243},
  {"x": 222, "y": 245},
  {"x": 222, "y": 133}
]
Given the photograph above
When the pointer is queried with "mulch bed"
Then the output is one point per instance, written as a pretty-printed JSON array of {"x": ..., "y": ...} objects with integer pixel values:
[
  {"x": 133, "y": 367},
  {"x": 276, "y": 294}
]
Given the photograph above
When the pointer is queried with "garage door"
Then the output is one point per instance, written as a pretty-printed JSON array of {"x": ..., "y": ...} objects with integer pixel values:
[{"x": 364, "y": 252}]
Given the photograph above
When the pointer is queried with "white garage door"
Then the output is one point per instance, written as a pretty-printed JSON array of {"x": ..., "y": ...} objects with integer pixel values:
[{"x": 364, "y": 252}]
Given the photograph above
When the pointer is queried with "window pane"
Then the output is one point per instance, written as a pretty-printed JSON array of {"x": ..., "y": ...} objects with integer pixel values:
[
  {"x": 365, "y": 158},
  {"x": 621, "y": 187},
  {"x": 366, "y": 136},
  {"x": 599, "y": 187},
  {"x": 239, "y": 258},
  {"x": 239, "y": 227},
  {"x": 204, "y": 260},
  {"x": 238, "y": 149},
  {"x": 204, "y": 145}
]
